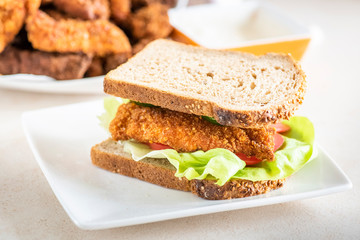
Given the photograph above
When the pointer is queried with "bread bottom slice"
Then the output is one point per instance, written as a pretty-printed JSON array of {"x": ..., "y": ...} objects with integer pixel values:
[{"x": 110, "y": 155}]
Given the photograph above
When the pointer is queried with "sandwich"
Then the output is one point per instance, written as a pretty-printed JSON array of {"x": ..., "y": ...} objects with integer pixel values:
[{"x": 215, "y": 123}]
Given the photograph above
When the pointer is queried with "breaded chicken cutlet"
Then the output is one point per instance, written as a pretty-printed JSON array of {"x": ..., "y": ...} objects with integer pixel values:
[
  {"x": 187, "y": 132},
  {"x": 99, "y": 37},
  {"x": 12, "y": 17},
  {"x": 100, "y": 64}
]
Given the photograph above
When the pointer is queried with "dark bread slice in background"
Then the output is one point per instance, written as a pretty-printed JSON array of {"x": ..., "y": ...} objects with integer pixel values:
[
  {"x": 110, "y": 156},
  {"x": 62, "y": 66}
]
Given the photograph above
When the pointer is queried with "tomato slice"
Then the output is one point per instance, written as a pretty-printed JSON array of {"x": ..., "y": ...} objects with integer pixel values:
[
  {"x": 158, "y": 146},
  {"x": 248, "y": 160},
  {"x": 279, "y": 140},
  {"x": 280, "y": 127}
]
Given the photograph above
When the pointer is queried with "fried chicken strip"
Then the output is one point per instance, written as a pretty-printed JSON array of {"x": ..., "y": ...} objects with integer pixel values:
[
  {"x": 99, "y": 37},
  {"x": 84, "y": 9},
  {"x": 32, "y": 6},
  {"x": 187, "y": 132},
  {"x": 12, "y": 17},
  {"x": 151, "y": 22}
]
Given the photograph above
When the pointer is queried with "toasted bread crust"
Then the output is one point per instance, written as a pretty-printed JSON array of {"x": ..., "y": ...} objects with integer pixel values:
[
  {"x": 172, "y": 99},
  {"x": 124, "y": 165},
  {"x": 110, "y": 156},
  {"x": 245, "y": 119},
  {"x": 233, "y": 189}
]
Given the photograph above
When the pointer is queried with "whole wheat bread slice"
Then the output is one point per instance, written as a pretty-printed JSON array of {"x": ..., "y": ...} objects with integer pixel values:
[
  {"x": 110, "y": 156},
  {"x": 237, "y": 89}
]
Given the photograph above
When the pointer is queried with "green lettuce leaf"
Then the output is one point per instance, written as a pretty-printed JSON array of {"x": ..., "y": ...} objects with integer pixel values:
[
  {"x": 296, "y": 151},
  {"x": 223, "y": 165},
  {"x": 111, "y": 105},
  {"x": 144, "y": 104},
  {"x": 210, "y": 119},
  {"x": 219, "y": 163}
]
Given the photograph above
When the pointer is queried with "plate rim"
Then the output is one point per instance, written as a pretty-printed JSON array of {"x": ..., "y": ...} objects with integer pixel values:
[{"x": 46, "y": 84}]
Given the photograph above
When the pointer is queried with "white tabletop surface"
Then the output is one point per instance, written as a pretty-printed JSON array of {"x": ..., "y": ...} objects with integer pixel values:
[{"x": 29, "y": 209}]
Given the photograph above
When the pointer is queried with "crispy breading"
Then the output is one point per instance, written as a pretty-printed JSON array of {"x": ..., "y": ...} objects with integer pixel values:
[
  {"x": 187, "y": 132},
  {"x": 12, "y": 17},
  {"x": 84, "y": 9},
  {"x": 151, "y": 22},
  {"x": 99, "y": 37},
  {"x": 32, "y": 6},
  {"x": 120, "y": 10}
]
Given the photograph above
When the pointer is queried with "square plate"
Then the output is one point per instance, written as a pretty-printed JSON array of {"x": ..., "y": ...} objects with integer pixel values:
[{"x": 61, "y": 138}]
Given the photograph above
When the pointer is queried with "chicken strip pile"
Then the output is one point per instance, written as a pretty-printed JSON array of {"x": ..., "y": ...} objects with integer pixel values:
[
  {"x": 106, "y": 32},
  {"x": 98, "y": 37},
  {"x": 187, "y": 132}
]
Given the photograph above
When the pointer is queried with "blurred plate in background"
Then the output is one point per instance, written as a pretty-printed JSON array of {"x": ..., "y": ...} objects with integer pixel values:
[
  {"x": 250, "y": 26},
  {"x": 41, "y": 83}
]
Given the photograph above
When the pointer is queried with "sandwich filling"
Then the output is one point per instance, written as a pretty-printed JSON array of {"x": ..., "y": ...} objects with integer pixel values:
[
  {"x": 203, "y": 150},
  {"x": 188, "y": 133}
]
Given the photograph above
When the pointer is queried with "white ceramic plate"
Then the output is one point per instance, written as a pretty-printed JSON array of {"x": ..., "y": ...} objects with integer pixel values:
[
  {"x": 236, "y": 24},
  {"x": 40, "y": 83},
  {"x": 61, "y": 138}
]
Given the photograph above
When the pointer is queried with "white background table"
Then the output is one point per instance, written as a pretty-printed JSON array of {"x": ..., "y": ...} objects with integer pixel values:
[{"x": 29, "y": 209}]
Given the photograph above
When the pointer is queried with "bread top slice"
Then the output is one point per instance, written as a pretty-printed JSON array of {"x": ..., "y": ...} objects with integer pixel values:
[{"x": 237, "y": 89}]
